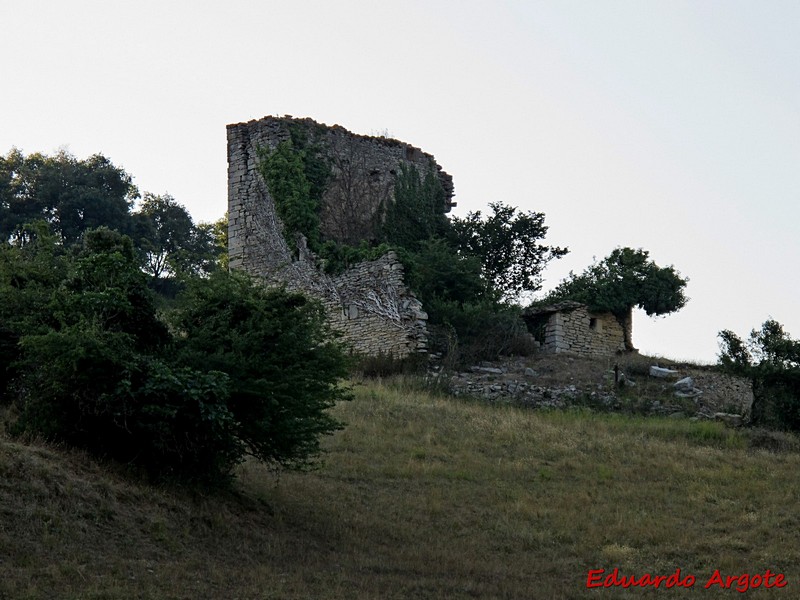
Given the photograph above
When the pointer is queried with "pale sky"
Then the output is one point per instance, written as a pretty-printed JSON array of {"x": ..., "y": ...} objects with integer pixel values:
[{"x": 669, "y": 125}]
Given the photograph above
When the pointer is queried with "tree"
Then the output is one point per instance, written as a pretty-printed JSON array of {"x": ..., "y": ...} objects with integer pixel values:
[
  {"x": 770, "y": 358},
  {"x": 218, "y": 233},
  {"x": 170, "y": 241},
  {"x": 164, "y": 231},
  {"x": 71, "y": 195},
  {"x": 625, "y": 279},
  {"x": 98, "y": 324},
  {"x": 31, "y": 270},
  {"x": 507, "y": 244},
  {"x": 439, "y": 274}
]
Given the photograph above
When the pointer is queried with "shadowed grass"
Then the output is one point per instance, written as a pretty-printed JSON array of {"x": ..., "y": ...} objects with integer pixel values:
[{"x": 420, "y": 497}]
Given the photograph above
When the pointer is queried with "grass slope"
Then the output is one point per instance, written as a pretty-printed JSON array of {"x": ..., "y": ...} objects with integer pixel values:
[{"x": 419, "y": 497}]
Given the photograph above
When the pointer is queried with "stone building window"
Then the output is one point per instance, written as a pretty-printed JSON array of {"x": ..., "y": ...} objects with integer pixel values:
[{"x": 594, "y": 324}]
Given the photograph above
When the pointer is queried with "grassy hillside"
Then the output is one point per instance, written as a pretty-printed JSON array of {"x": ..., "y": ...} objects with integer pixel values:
[{"x": 420, "y": 497}]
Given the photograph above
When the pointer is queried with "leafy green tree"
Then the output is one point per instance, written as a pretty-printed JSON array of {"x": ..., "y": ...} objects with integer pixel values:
[
  {"x": 507, "y": 244},
  {"x": 284, "y": 364},
  {"x": 164, "y": 230},
  {"x": 30, "y": 273},
  {"x": 623, "y": 280},
  {"x": 770, "y": 358},
  {"x": 71, "y": 195},
  {"x": 170, "y": 241},
  {"x": 83, "y": 367},
  {"x": 217, "y": 232},
  {"x": 439, "y": 274}
]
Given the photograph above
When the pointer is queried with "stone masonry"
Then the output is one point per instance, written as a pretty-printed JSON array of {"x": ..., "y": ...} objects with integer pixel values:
[
  {"x": 369, "y": 304},
  {"x": 572, "y": 328}
]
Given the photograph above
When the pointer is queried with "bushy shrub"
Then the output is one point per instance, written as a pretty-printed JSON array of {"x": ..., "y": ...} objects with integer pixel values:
[
  {"x": 283, "y": 362},
  {"x": 388, "y": 365},
  {"x": 246, "y": 370},
  {"x": 478, "y": 331},
  {"x": 182, "y": 425}
]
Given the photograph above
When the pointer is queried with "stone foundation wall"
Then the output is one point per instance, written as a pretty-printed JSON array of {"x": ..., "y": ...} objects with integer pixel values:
[{"x": 370, "y": 303}]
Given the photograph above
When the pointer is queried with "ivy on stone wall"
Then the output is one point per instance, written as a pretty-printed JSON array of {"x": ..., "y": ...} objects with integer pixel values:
[
  {"x": 337, "y": 257},
  {"x": 316, "y": 166},
  {"x": 297, "y": 175},
  {"x": 285, "y": 174},
  {"x": 418, "y": 211}
]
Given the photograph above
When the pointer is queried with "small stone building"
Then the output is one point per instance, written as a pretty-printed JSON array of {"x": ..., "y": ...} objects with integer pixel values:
[{"x": 572, "y": 328}]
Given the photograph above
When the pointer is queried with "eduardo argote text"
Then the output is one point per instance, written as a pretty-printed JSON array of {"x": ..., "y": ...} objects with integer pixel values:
[{"x": 600, "y": 578}]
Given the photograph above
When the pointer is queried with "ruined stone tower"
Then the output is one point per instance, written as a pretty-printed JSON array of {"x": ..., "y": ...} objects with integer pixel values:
[{"x": 369, "y": 303}]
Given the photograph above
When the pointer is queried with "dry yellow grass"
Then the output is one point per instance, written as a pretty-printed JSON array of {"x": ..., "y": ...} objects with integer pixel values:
[{"x": 419, "y": 497}]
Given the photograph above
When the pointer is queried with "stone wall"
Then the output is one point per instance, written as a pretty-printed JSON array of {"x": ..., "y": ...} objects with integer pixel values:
[
  {"x": 572, "y": 328},
  {"x": 375, "y": 311},
  {"x": 370, "y": 303}
]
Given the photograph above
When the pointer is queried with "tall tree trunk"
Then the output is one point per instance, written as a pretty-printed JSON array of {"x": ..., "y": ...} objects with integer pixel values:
[{"x": 626, "y": 322}]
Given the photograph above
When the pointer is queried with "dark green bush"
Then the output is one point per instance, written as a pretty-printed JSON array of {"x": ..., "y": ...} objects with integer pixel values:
[
  {"x": 387, "y": 365},
  {"x": 478, "y": 331},
  {"x": 247, "y": 371},
  {"x": 283, "y": 362}
]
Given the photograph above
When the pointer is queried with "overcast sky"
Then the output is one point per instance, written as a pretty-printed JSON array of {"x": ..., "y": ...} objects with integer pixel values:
[{"x": 673, "y": 126}]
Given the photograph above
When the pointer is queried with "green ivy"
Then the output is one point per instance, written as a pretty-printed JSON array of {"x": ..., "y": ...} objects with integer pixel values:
[
  {"x": 316, "y": 167},
  {"x": 337, "y": 257},
  {"x": 284, "y": 171},
  {"x": 418, "y": 211}
]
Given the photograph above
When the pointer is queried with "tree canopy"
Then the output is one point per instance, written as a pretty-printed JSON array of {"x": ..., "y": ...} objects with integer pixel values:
[
  {"x": 71, "y": 195},
  {"x": 170, "y": 241},
  {"x": 507, "y": 243},
  {"x": 87, "y": 358}
]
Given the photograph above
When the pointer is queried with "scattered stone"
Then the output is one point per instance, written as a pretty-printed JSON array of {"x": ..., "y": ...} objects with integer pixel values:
[
  {"x": 730, "y": 420},
  {"x": 685, "y": 388},
  {"x": 492, "y": 370},
  {"x": 623, "y": 381},
  {"x": 662, "y": 373},
  {"x": 530, "y": 372}
]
